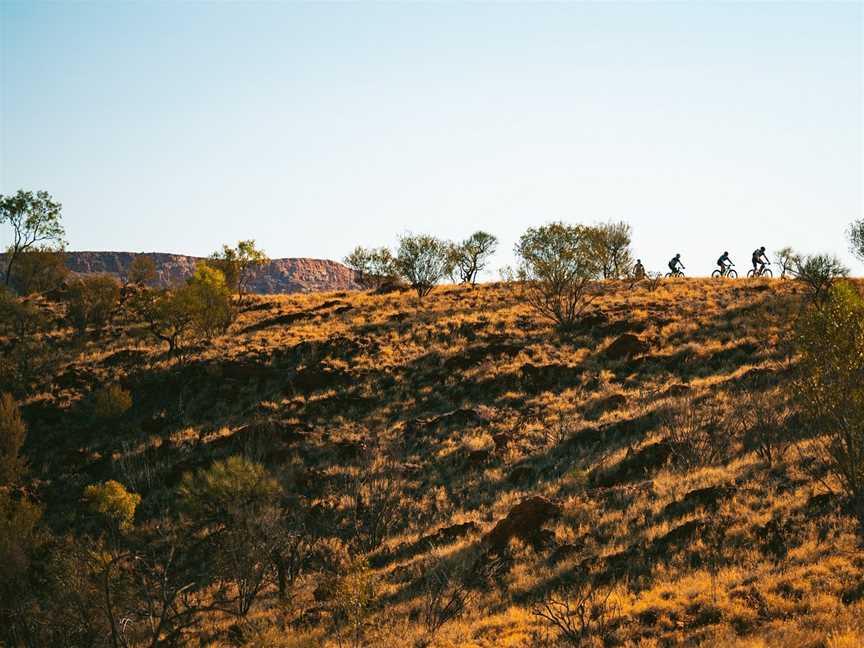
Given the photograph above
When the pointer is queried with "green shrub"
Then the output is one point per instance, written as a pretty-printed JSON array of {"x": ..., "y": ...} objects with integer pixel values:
[
  {"x": 113, "y": 503},
  {"x": 39, "y": 270},
  {"x": 12, "y": 432},
  {"x": 557, "y": 264},
  {"x": 830, "y": 341},
  {"x": 18, "y": 317},
  {"x": 423, "y": 261},
  {"x": 111, "y": 402},
  {"x": 373, "y": 267},
  {"x": 91, "y": 301}
]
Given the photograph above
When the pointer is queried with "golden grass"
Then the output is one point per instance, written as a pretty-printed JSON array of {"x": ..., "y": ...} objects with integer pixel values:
[{"x": 407, "y": 361}]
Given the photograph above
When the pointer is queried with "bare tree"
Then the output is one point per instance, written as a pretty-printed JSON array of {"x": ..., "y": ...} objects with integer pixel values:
[
  {"x": 582, "y": 610},
  {"x": 468, "y": 258}
]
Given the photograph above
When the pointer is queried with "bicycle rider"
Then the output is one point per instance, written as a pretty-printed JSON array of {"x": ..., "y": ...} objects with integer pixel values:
[
  {"x": 639, "y": 269},
  {"x": 759, "y": 261},
  {"x": 675, "y": 264},
  {"x": 725, "y": 263}
]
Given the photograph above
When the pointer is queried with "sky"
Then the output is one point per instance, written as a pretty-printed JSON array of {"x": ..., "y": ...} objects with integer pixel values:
[{"x": 315, "y": 127}]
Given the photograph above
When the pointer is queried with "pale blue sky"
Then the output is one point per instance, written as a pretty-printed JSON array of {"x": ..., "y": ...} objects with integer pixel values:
[{"x": 313, "y": 127}]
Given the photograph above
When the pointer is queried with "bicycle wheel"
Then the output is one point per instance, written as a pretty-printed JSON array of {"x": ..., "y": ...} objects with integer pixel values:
[
  {"x": 732, "y": 274},
  {"x": 715, "y": 274},
  {"x": 751, "y": 274},
  {"x": 767, "y": 273},
  {"x": 668, "y": 274}
]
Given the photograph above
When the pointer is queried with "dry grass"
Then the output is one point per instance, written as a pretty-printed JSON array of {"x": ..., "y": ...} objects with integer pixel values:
[{"x": 541, "y": 413}]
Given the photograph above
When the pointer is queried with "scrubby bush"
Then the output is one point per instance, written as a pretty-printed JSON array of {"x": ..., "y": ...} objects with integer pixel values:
[
  {"x": 210, "y": 299},
  {"x": 113, "y": 503},
  {"x": 446, "y": 594},
  {"x": 830, "y": 341},
  {"x": 373, "y": 267},
  {"x": 91, "y": 301},
  {"x": 235, "y": 505},
  {"x": 142, "y": 271},
  {"x": 787, "y": 259},
  {"x": 199, "y": 309},
  {"x": 557, "y": 266},
  {"x": 856, "y": 238},
  {"x": 819, "y": 272},
  {"x": 354, "y": 597},
  {"x": 422, "y": 262},
  {"x": 764, "y": 423},
  {"x": 585, "y": 613},
  {"x": 697, "y": 433},
  {"x": 111, "y": 402},
  {"x": 238, "y": 264},
  {"x": 19, "y": 317},
  {"x": 610, "y": 243},
  {"x": 39, "y": 270},
  {"x": 12, "y": 433}
]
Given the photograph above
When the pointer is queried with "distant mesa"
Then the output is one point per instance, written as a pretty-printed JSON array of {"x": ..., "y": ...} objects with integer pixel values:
[{"x": 278, "y": 276}]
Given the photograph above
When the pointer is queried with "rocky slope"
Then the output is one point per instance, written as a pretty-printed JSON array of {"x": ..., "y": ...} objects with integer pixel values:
[{"x": 278, "y": 276}]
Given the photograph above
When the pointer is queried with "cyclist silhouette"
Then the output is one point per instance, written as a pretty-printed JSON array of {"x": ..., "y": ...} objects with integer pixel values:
[
  {"x": 675, "y": 264},
  {"x": 724, "y": 262},
  {"x": 639, "y": 269},
  {"x": 759, "y": 261}
]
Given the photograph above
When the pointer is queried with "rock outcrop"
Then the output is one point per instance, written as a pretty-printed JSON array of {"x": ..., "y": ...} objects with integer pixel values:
[
  {"x": 278, "y": 276},
  {"x": 524, "y": 521}
]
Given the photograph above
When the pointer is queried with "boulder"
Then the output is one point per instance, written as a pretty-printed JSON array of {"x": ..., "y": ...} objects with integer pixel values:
[
  {"x": 520, "y": 473},
  {"x": 524, "y": 521},
  {"x": 635, "y": 466},
  {"x": 708, "y": 498},
  {"x": 626, "y": 346},
  {"x": 563, "y": 552},
  {"x": 677, "y": 390},
  {"x": 477, "y": 458}
]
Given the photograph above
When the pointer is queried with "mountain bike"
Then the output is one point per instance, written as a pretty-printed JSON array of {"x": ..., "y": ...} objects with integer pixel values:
[
  {"x": 727, "y": 272},
  {"x": 764, "y": 271},
  {"x": 674, "y": 273}
]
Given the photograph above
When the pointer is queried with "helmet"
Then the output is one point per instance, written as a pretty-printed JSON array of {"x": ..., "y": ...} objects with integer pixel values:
[
  {"x": 762, "y": 248},
  {"x": 725, "y": 252},
  {"x": 678, "y": 255},
  {"x": 638, "y": 260}
]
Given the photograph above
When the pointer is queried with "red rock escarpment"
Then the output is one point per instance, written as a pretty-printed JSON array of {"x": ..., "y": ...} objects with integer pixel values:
[{"x": 277, "y": 276}]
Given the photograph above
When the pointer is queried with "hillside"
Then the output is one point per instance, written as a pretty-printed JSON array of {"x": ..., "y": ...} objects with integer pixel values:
[
  {"x": 472, "y": 456},
  {"x": 278, "y": 276}
]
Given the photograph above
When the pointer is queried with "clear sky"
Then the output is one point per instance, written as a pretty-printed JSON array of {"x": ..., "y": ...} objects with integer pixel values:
[{"x": 313, "y": 127}]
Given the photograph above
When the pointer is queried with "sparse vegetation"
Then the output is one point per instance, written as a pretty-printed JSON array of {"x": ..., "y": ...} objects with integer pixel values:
[{"x": 345, "y": 468}]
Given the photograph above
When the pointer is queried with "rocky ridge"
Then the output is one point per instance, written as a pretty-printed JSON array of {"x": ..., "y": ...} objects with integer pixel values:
[{"x": 278, "y": 276}]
